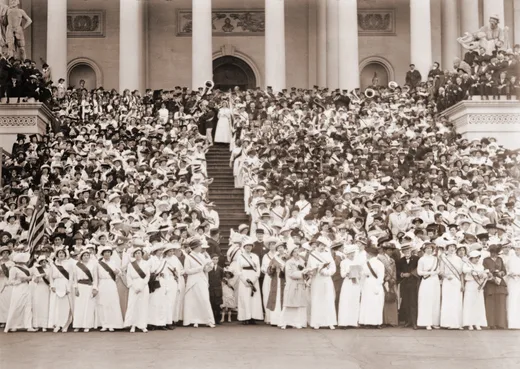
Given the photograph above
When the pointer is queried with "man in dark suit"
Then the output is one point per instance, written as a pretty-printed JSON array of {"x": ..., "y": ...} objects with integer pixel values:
[
  {"x": 213, "y": 243},
  {"x": 408, "y": 281},
  {"x": 495, "y": 290},
  {"x": 413, "y": 77},
  {"x": 259, "y": 245},
  {"x": 215, "y": 276}
]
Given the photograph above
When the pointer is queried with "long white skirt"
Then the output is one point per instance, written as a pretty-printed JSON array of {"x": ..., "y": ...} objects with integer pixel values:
[
  {"x": 429, "y": 307},
  {"x": 171, "y": 287},
  {"x": 451, "y": 305},
  {"x": 513, "y": 303},
  {"x": 60, "y": 308},
  {"x": 474, "y": 307},
  {"x": 266, "y": 288},
  {"x": 108, "y": 308},
  {"x": 20, "y": 310},
  {"x": 137, "y": 310},
  {"x": 349, "y": 302},
  {"x": 372, "y": 303},
  {"x": 323, "y": 297},
  {"x": 157, "y": 306},
  {"x": 249, "y": 307},
  {"x": 41, "y": 295},
  {"x": 294, "y": 317},
  {"x": 84, "y": 308},
  {"x": 223, "y": 131},
  {"x": 197, "y": 306},
  {"x": 5, "y": 300},
  {"x": 179, "y": 302}
]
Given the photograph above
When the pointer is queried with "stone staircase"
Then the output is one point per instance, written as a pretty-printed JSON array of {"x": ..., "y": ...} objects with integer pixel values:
[{"x": 229, "y": 200}]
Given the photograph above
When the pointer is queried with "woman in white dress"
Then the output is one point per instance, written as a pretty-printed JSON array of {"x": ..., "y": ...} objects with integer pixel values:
[
  {"x": 20, "y": 311},
  {"x": 451, "y": 272},
  {"x": 223, "y": 132},
  {"x": 429, "y": 299},
  {"x": 60, "y": 306},
  {"x": 294, "y": 311},
  {"x": 178, "y": 312},
  {"x": 350, "y": 296},
  {"x": 41, "y": 293},
  {"x": 372, "y": 292},
  {"x": 513, "y": 288},
  {"x": 276, "y": 270},
  {"x": 474, "y": 307},
  {"x": 323, "y": 311},
  {"x": 270, "y": 243},
  {"x": 249, "y": 299},
  {"x": 157, "y": 309},
  {"x": 137, "y": 277},
  {"x": 85, "y": 290},
  {"x": 197, "y": 305},
  {"x": 172, "y": 274},
  {"x": 108, "y": 308},
  {"x": 5, "y": 288}
]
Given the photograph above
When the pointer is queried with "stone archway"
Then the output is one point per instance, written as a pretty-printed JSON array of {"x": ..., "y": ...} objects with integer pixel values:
[
  {"x": 378, "y": 65},
  {"x": 230, "y": 71},
  {"x": 86, "y": 69}
]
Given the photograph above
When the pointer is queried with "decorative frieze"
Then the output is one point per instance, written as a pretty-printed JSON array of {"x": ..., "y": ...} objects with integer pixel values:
[
  {"x": 86, "y": 23},
  {"x": 376, "y": 22},
  {"x": 226, "y": 22}
]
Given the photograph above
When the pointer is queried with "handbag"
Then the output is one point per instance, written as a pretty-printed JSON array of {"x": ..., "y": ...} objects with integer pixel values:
[{"x": 153, "y": 283}]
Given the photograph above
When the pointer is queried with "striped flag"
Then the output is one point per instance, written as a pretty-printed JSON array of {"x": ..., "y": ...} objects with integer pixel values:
[{"x": 37, "y": 226}]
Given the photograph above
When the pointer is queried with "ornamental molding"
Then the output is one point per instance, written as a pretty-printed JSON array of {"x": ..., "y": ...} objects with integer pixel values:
[
  {"x": 18, "y": 121},
  {"x": 376, "y": 22},
  {"x": 494, "y": 118},
  {"x": 226, "y": 22},
  {"x": 85, "y": 23}
]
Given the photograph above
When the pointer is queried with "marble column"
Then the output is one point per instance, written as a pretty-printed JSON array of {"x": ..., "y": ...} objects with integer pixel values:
[
  {"x": 469, "y": 16},
  {"x": 421, "y": 36},
  {"x": 450, "y": 32},
  {"x": 132, "y": 45},
  {"x": 348, "y": 49},
  {"x": 322, "y": 42},
  {"x": 201, "y": 44},
  {"x": 275, "y": 44},
  {"x": 493, "y": 7},
  {"x": 57, "y": 39},
  {"x": 332, "y": 44}
]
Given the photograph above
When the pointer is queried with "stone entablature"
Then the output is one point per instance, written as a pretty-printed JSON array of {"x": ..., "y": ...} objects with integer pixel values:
[
  {"x": 26, "y": 118},
  {"x": 490, "y": 118}
]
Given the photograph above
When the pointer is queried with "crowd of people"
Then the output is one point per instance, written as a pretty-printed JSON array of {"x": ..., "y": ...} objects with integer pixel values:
[{"x": 366, "y": 210}]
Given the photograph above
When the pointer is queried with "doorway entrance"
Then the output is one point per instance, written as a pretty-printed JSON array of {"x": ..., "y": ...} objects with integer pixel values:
[{"x": 229, "y": 72}]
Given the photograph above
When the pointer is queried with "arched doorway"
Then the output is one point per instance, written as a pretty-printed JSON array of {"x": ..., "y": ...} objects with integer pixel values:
[
  {"x": 371, "y": 70},
  {"x": 230, "y": 71},
  {"x": 83, "y": 72}
]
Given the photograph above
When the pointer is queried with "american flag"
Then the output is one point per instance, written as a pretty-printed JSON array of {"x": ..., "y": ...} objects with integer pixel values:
[{"x": 37, "y": 226}]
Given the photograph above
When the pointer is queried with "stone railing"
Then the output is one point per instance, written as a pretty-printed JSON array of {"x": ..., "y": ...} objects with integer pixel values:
[
  {"x": 26, "y": 118},
  {"x": 475, "y": 119}
]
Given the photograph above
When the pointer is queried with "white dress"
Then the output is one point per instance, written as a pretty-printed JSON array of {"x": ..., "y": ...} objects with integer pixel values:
[
  {"x": 294, "y": 311},
  {"x": 266, "y": 285},
  {"x": 429, "y": 299},
  {"x": 85, "y": 303},
  {"x": 108, "y": 307},
  {"x": 60, "y": 306},
  {"x": 451, "y": 303},
  {"x": 157, "y": 308},
  {"x": 197, "y": 305},
  {"x": 5, "y": 290},
  {"x": 474, "y": 308},
  {"x": 223, "y": 131},
  {"x": 41, "y": 294},
  {"x": 323, "y": 312},
  {"x": 249, "y": 307},
  {"x": 372, "y": 293},
  {"x": 513, "y": 289},
  {"x": 20, "y": 311},
  {"x": 350, "y": 297},
  {"x": 138, "y": 296},
  {"x": 172, "y": 274}
]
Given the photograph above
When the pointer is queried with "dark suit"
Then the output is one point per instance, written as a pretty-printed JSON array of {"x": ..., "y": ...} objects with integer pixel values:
[
  {"x": 413, "y": 78},
  {"x": 496, "y": 294},
  {"x": 409, "y": 289},
  {"x": 214, "y": 248},
  {"x": 215, "y": 276}
]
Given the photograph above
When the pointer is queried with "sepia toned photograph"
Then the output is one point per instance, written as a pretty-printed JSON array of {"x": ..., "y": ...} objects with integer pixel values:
[{"x": 259, "y": 184}]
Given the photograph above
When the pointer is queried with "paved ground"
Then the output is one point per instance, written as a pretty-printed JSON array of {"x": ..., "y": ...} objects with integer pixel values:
[{"x": 235, "y": 346}]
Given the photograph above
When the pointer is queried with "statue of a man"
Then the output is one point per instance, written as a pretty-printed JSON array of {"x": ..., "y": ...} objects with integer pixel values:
[
  {"x": 492, "y": 32},
  {"x": 15, "y": 27}
]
